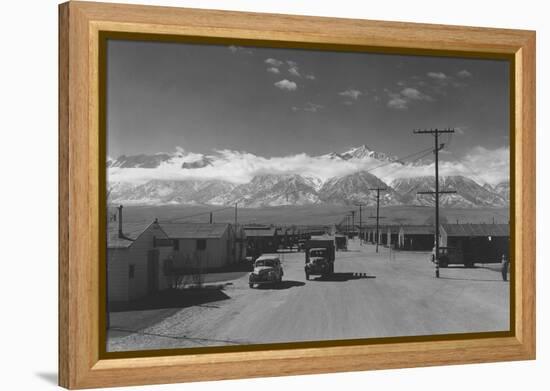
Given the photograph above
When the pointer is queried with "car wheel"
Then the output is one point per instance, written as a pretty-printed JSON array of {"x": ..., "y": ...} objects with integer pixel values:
[
  {"x": 307, "y": 276},
  {"x": 251, "y": 285}
]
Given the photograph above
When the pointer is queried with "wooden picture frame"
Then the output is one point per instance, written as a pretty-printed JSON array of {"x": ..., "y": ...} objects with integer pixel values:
[{"x": 81, "y": 24}]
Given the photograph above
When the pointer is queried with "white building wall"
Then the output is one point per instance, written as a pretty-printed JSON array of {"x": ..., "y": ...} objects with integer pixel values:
[
  {"x": 121, "y": 286},
  {"x": 218, "y": 253},
  {"x": 117, "y": 272}
]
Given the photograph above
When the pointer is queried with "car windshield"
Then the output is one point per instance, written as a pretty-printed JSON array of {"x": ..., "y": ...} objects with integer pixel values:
[
  {"x": 317, "y": 253},
  {"x": 265, "y": 262}
]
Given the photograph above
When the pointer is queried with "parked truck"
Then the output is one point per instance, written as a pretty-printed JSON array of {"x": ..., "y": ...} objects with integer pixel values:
[
  {"x": 451, "y": 256},
  {"x": 320, "y": 256},
  {"x": 341, "y": 242}
]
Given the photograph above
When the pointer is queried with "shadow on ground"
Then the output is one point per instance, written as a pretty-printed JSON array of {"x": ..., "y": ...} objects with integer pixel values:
[
  {"x": 48, "y": 377},
  {"x": 285, "y": 284},
  {"x": 471, "y": 279},
  {"x": 172, "y": 298},
  {"x": 343, "y": 277}
]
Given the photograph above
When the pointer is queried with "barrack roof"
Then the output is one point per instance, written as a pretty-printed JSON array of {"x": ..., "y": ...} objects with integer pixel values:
[
  {"x": 418, "y": 229},
  {"x": 131, "y": 232},
  {"x": 194, "y": 230},
  {"x": 476, "y": 229},
  {"x": 260, "y": 232}
]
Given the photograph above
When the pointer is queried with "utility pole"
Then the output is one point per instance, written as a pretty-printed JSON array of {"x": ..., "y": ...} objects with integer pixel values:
[
  {"x": 437, "y": 147},
  {"x": 352, "y": 221},
  {"x": 360, "y": 205},
  {"x": 378, "y": 190},
  {"x": 236, "y": 236},
  {"x": 211, "y": 217}
]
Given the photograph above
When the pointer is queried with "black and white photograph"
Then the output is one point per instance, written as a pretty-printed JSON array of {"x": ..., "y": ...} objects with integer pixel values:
[{"x": 259, "y": 195}]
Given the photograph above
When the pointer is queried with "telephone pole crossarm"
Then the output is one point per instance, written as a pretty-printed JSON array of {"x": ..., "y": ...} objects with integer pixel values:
[
  {"x": 440, "y": 192},
  {"x": 433, "y": 131}
]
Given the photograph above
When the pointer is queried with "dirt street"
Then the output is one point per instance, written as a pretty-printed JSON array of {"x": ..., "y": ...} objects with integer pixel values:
[{"x": 370, "y": 295}]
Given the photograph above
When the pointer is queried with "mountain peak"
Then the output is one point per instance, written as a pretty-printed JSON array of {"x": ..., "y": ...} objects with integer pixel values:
[
  {"x": 357, "y": 153},
  {"x": 361, "y": 152},
  {"x": 360, "y": 149}
]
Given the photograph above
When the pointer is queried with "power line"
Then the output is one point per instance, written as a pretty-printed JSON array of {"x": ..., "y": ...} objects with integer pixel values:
[
  {"x": 429, "y": 152},
  {"x": 424, "y": 152},
  {"x": 197, "y": 214},
  {"x": 398, "y": 160}
]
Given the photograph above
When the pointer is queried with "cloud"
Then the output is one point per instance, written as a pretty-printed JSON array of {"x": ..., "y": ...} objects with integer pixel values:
[
  {"x": 294, "y": 71},
  {"x": 397, "y": 102},
  {"x": 481, "y": 164},
  {"x": 273, "y": 62},
  {"x": 411, "y": 93},
  {"x": 437, "y": 75},
  {"x": 351, "y": 93},
  {"x": 492, "y": 166},
  {"x": 435, "y": 83},
  {"x": 286, "y": 85},
  {"x": 309, "y": 107},
  {"x": 401, "y": 100},
  {"x": 440, "y": 82},
  {"x": 240, "y": 167},
  {"x": 414, "y": 94},
  {"x": 460, "y": 130},
  {"x": 239, "y": 49}
]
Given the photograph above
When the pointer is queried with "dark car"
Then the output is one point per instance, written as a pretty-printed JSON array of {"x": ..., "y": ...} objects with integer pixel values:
[{"x": 318, "y": 262}]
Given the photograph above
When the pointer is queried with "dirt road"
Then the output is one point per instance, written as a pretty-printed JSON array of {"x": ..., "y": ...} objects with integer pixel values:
[{"x": 370, "y": 295}]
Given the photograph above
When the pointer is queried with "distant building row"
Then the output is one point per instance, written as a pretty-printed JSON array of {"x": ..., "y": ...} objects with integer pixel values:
[{"x": 485, "y": 242}]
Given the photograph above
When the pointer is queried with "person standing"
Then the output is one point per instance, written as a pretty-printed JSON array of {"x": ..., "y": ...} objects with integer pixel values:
[{"x": 505, "y": 266}]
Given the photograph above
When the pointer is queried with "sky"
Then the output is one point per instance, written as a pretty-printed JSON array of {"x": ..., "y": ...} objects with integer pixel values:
[{"x": 274, "y": 103}]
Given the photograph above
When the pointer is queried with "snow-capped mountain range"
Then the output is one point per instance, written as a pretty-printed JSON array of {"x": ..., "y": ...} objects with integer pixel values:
[{"x": 187, "y": 179}]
